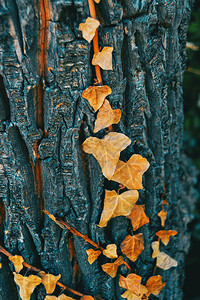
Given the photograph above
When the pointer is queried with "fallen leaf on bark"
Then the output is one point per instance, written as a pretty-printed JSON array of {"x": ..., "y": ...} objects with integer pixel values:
[
  {"x": 111, "y": 251},
  {"x": 111, "y": 268},
  {"x": 165, "y": 262},
  {"x": 92, "y": 255},
  {"x": 49, "y": 281},
  {"x": 103, "y": 58},
  {"x": 132, "y": 246},
  {"x": 96, "y": 95},
  {"x": 89, "y": 28},
  {"x": 17, "y": 260},
  {"x": 130, "y": 173},
  {"x": 107, "y": 150},
  {"x": 138, "y": 217},
  {"x": 132, "y": 283},
  {"x": 155, "y": 247},
  {"x": 154, "y": 285},
  {"x": 106, "y": 116},
  {"x": 26, "y": 284},
  {"x": 117, "y": 205},
  {"x": 165, "y": 235},
  {"x": 86, "y": 297},
  {"x": 163, "y": 215}
]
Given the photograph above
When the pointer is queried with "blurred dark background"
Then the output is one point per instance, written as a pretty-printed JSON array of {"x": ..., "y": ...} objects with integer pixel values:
[{"x": 191, "y": 92}]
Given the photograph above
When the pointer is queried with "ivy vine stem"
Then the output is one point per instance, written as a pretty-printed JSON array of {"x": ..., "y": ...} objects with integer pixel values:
[
  {"x": 95, "y": 41},
  {"x": 32, "y": 268}
]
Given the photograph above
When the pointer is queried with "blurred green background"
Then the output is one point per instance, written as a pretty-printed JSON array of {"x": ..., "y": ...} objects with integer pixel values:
[{"x": 191, "y": 93}]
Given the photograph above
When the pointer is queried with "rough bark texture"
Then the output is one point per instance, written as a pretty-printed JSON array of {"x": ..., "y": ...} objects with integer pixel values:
[{"x": 45, "y": 66}]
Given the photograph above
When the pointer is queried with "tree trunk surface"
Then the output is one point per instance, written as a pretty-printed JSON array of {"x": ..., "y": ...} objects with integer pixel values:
[{"x": 45, "y": 66}]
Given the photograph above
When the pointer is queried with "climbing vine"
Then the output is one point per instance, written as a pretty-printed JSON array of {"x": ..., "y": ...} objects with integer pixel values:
[{"x": 121, "y": 202}]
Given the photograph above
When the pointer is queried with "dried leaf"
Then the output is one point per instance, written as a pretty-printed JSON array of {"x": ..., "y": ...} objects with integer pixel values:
[
  {"x": 86, "y": 297},
  {"x": 138, "y": 217},
  {"x": 155, "y": 247},
  {"x": 48, "y": 297},
  {"x": 107, "y": 150},
  {"x": 130, "y": 296},
  {"x": 96, "y": 95},
  {"x": 49, "y": 281},
  {"x": 117, "y": 205},
  {"x": 17, "y": 260},
  {"x": 132, "y": 283},
  {"x": 106, "y": 116},
  {"x": 111, "y": 251},
  {"x": 111, "y": 268},
  {"x": 163, "y": 215},
  {"x": 26, "y": 284},
  {"x": 61, "y": 297},
  {"x": 154, "y": 285},
  {"x": 132, "y": 246},
  {"x": 92, "y": 255},
  {"x": 97, "y": 1},
  {"x": 89, "y": 28},
  {"x": 165, "y": 235},
  {"x": 165, "y": 262},
  {"x": 130, "y": 173},
  {"x": 103, "y": 58}
]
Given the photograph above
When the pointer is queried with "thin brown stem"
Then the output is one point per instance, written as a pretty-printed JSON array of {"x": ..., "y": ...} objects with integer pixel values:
[
  {"x": 32, "y": 268},
  {"x": 95, "y": 41}
]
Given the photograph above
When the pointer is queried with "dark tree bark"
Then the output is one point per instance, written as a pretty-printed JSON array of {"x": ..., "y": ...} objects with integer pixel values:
[{"x": 45, "y": 66}]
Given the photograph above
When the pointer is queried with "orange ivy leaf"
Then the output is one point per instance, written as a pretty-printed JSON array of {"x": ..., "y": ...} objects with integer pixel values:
[
  {"x": 130, "y": 173},
  {"x": 97, "y": 1},
  {"x": 96, "y": 95},
  {"x": 49, "y": 281},
  {"x": 132, "y": 246},
  {"x": 89, "y": 28},
  {"x": 111, "y": 251},
  {"x": 131, "y": 296},
  {"x": 17, "y": 260},
  {"x": 138, "y": 217},
  {"x": 26, "y": 284},
  {"x": 107, "y": 150},
  {"x": 111, "y": 268},
  {"x": 103, "y": 58},
  {"x": 92, "y": 255},
  {"x": 61, "y": 297},
  {"x": 154, "y": 285},
  {"x": 117, "y": 205},
  {"x": 165, "y": 262},
  {"x": 163, "y": 215},
  {"x": 165, "y": 235},
  {"x": 155, "y": 247},
  {"x": 86, "y": 297},
  {"x": 106, "y": 116},
  {"x": 132, "y": 283}
]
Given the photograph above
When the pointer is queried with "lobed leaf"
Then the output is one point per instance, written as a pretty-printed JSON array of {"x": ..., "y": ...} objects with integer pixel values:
[
  {"x": 138, "y": 217},
  {"x": 132, "y": 246},
  {"x": 17, "y": 260},
  {"x": 89, "y": 28},
  {"x": 92, "y": 255},
  {"x": 165, "y": 235},
  {"x": 96, "y": 95},
  {"x": 26, "y": 284},
  {"x": 103, "y": 58}
]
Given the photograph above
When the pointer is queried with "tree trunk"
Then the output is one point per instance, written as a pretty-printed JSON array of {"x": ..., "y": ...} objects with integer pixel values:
[{"x": 45, "y": 66}]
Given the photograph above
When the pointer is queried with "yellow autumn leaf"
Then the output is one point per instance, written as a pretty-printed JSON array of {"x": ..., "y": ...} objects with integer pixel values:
[
  {"x": 61, "y": 297},
  {"x": 111, "y": 251},
  {"x": 117, "y": 205},
  {"x": 163, "y": 215},
  {"x": 17, "y": 260},
  {"x": 130, "y": 296},
  {"x": 92, "y": 255},
  {"x": 103, "y": 58},
  {"x": 106, "y": 116},
  {"x": 165, "y": 262},
  {"x": 49, "y": 281},
  {"x": 89, "y": 28},
  {"x": 26, "y": 284},
  {"x": 96, "y": 95},
  {"x": 165, "y": 235},
  {"x": 130, "y": 173},
  {"x": 154, "y": 285},
  {"x": 107, "y": 150},
  {"x": 132, "y": 246},
  {"x": 155, "y": 247},
  {"x": 111, "y": 268},
  {"x": 132, "y": 283},
  {"x": 138, "y": 217}
]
